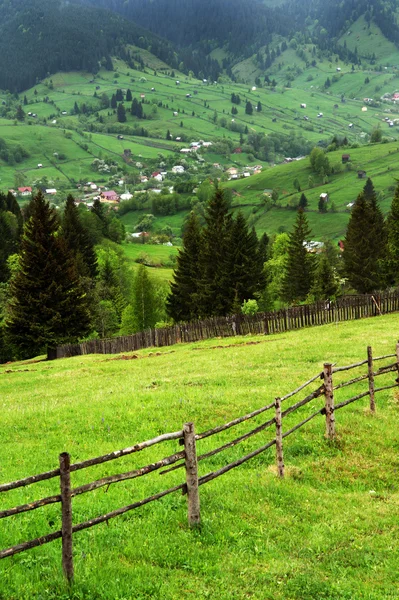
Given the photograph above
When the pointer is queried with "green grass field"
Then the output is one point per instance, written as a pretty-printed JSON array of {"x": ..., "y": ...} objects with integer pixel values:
[{"x": 329, "y": 530}]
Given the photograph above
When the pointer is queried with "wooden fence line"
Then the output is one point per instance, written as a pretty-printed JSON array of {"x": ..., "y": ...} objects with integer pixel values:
[
  {"x": 189, "y": 439},
  {"x": 320, "y": 313}
]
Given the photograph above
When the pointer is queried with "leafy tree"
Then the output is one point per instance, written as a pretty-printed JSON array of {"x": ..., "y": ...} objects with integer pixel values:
[
  {"x": 319, "y": 162},
  {"x": 143, "y": 303},
  {"x": 181, "y": 303},
  {"x": 47, "y": 305},
  {"x": 325, "y": 285},
  {"x": 298, "y": 277},
  {"x": 128, "y": 321},
  {"x": 376, "y": 135},
  {"x": 296, "y": 184}
]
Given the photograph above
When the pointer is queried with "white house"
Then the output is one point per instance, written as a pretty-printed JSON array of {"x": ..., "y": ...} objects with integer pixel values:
[
  {"x": 51, "y": 191},
  {"x": 178, "y": 169}
]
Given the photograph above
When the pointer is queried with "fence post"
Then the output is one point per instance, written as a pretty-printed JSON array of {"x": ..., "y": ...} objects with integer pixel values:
[
  {"x": 194, "y": 516},
  {"x": 329, "y": 398},
  {"x": 371, "y": 378},
  {"x": 66, "y": 504},
  {"x": 279, "y": 439}
]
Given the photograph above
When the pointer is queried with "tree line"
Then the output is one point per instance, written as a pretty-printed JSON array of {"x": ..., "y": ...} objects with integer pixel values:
[{"x": 63, "y": 279}]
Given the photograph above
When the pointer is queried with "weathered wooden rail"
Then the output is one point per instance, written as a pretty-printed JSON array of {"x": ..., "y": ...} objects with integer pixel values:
[
  {"x": 188, "y": 459},
  {"x": 346, "y": 308}
]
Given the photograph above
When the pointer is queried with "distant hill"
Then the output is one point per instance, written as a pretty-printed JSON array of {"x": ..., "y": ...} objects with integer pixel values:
[{"x": 40, "y": 37}]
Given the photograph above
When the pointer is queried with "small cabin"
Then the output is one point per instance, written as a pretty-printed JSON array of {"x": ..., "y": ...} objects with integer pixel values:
[
  {"x": 345, "y": 158},
  {"x": 324, "y": 197},
  {"x": 303, "y": 105},
  {"x": 361, "y": 174}
]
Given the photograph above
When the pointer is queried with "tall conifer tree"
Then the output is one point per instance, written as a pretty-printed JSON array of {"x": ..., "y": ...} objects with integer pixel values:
[
  {"x": 78, "y": 240},
  {"x": 393, "y": 240},
  {"x": 47, "y": 305},
  {"x": 182, "y": 302},
  {"x": 298, "y": 277},
  {"x": 214, "y": 293}
]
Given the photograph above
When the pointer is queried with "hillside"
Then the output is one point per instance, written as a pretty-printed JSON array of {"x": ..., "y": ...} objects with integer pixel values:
[{"x": 320, "y": 533}]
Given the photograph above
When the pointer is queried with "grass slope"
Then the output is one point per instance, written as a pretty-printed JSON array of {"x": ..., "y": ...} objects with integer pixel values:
[{"x": 329, "y": 530}]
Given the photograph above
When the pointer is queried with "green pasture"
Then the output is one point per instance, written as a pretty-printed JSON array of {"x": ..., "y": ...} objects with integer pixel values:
[{"x": 328, "y": 530}]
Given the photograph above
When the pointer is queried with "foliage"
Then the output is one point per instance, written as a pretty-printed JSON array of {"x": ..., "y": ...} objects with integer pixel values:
[
  {"x": 298, "y": 277},
  {"x": 47, "y": 305}
]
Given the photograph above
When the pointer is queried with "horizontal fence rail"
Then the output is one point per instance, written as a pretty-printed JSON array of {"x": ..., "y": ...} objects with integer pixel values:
[
  {"x": 187, "y": 458},
  {"x": 346, "y": 308}
]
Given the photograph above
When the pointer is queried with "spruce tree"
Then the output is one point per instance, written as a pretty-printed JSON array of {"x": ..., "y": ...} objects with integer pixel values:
[
  {"x": 298, "y": 277},
  {"x": 303, "y": 201},
  {"x": 47, "y": 305},
  {"x": 214, "y": 293},
  {"x": 121, "y": 113},
  {"x": 365, "y": 243},
  {"x": 181, "y": 303},
  {"x": 78, "y": 240},
  {"x": 393, "y": 240}
]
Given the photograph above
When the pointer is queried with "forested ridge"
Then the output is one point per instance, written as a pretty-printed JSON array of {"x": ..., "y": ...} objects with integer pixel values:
[{"x": 41, "y": 37}]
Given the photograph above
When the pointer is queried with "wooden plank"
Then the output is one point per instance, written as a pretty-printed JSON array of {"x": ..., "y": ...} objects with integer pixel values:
[
  {"x": 30, "y": 506},
  {"x": 371, "y": 378},
  {"x": 209, "y": 432},
  {"x": 66, "y": 527},
  {"x": 193, "y": 500},
  {"x": 279, "y": 439},
  {"x": 329, "y": 400}
]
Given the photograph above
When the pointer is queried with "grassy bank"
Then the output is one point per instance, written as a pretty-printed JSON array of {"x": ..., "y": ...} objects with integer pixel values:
[{"x": 328, "y": 530}]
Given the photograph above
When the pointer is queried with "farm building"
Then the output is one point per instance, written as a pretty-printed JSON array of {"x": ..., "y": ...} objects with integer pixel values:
[
  {"x": 303, "y": 105},
  {"x": 345, "y": 158},
  {"x": 361, "y": 174},
  {"x": 109, "y": 196},
  {"x": 324, "y": 197},
  {"x": 24, "y": 191}
]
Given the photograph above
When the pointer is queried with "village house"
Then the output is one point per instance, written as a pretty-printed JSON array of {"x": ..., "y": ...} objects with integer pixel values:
[
  {"x": 345, "y": 158},
  {"x": 324, "y": 197},
  {"x": 361, "y": 174},
  {"x": 24, "y": 191},
  {"x": 51, "y": 191},
  {"x": 232, "y": 171},
  {"x": 178, "y": 169},
  {"x": 109, "y": 196}
]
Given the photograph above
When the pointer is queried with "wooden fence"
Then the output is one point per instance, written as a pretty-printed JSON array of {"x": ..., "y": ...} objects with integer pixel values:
[
  {"x": 346, "y": 308},
  {"x": 187, "y": 457}
]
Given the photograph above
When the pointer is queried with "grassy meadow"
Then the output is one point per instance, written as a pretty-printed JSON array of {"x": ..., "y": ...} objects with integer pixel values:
[{"x": 327, "y": 531}]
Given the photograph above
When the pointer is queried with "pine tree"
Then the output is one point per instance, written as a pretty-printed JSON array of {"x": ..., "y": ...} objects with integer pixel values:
[
  {"x": 181, "y": 303},
  {"x": 303, "y": 201},
  {"x": 128, "y": 96},
  {"x": 121, "y": 113},
  {"x": 47, "y": 305},
  {"x": 259, "y": 106},
  {"x": 249, "y": 108},
  {"x": 20, "y": 115},
  {"x": 365, "y": 243},
  {"x": 78, "y": 240},
  {"x": 119, "y": 95},
  {"x": 214, "y": 294},
  {"x": 298, "y": 277},
  {"x": 393, "y": 240},
  {"x": 113, "y": 101},
  {"x": 144, "y": 305}
]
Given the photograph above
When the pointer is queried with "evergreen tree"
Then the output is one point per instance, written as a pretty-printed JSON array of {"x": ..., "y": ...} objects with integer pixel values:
[
  {"x": 113, "y": 101},
  {"x": 181, "y": 303},
  {"x": 298, "y": 277},
  {"x": 214, "y": 294},
  {"x": 259, "y": 106},
  {"x": 322, "y": 205},
  {"x": 249, "y": 108},
  {"x": 119, "y": 95},
  {"x": 78, "y": 240},
  {"x": 144, "y": 305},
  {"x": 365, "y": 243},
  {"x": 76, "y": 109},
  {"x": 121, "y": 113},
  {"x": 47, "y": 305},
  {"x": 128, "y": 96},
  {"x": 325, "y": 286},
  {"x": 20, "y": 115},
  {"x": 393, "y": 240},
  {"x": 303, "y": 201}
]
